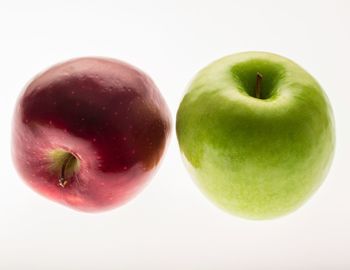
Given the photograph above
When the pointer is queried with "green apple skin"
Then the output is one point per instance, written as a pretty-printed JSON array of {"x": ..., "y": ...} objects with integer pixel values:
[{"x": 258, "y": 158}]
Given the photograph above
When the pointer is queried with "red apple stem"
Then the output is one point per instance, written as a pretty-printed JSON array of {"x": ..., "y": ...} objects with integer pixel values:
[
  {"x": 259, "y": 78},
  {"x": 62, "y": 181}
]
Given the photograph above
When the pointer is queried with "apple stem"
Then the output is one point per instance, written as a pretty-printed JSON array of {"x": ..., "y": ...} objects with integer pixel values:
[
  {"x": 259, "y": 78},
  {"x": 62, "y": 180}
]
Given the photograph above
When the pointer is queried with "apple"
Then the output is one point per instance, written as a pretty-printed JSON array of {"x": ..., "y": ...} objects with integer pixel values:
[
  {"x": 256, "y": 132},
  {"x": 89, "y": 133}
]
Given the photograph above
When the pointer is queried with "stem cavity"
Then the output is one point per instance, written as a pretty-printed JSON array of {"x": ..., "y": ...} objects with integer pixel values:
[
  {"x": 259, "y": 78},
  {"x": 63, "y": 181}
]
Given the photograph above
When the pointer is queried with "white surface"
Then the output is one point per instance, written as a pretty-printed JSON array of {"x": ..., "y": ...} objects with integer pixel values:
[{"x": 171, "y": 225}]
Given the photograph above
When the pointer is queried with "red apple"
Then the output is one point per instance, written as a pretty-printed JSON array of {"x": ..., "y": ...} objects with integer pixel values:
[{"x": 89, "y": 133}]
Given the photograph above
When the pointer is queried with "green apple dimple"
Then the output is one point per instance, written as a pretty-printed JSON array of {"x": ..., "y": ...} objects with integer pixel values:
[
  {"x": 256, "y": 157},
  {"x": 245, "y": 76}
]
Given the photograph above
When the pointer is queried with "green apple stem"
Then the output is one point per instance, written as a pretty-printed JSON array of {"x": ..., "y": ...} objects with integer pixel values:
[
  {"x": 259, "y": 78},
  {"x": 63, "y": 180}
]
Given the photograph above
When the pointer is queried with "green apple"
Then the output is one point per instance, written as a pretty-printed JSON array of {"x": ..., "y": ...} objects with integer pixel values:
[{"x": 257, "y": 134}]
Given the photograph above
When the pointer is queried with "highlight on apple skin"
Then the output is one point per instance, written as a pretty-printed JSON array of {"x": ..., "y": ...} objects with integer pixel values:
[
  {"x": 90, "y": 133},
  {"x": 256, "y": 132}
]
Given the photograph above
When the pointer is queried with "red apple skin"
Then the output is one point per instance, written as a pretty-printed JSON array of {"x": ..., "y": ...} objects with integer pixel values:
[{"x": 108, "y": 114}]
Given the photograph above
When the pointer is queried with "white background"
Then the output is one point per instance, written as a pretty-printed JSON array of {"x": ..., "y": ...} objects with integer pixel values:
[{"x": 171, "y": 225}]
